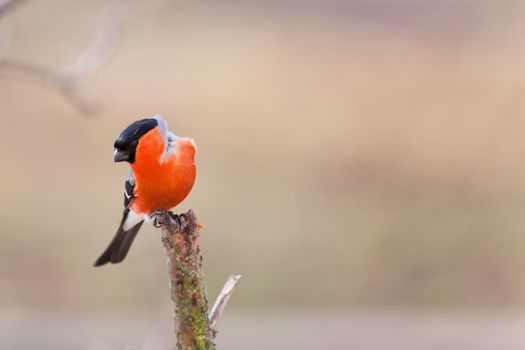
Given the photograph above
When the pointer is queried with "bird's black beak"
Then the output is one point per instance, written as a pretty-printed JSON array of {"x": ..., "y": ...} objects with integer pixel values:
[{"x": 120, "y": 155}]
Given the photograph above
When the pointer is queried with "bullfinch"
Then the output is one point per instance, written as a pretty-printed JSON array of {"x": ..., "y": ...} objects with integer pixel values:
[{"x": 162, "y": 174}]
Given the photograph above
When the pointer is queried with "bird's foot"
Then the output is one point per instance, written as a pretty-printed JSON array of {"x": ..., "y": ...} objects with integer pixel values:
[{"x": 160, "y": 218}]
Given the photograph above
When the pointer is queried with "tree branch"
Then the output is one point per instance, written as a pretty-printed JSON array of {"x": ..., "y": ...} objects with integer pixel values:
[{"x": 180, "y": 238}]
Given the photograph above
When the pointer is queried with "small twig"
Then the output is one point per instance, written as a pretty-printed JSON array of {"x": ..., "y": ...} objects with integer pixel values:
[{"x": 222, "y": 300}]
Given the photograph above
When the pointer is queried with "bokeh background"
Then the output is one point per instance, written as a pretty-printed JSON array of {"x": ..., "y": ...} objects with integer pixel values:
[{"x": 361, "y": 164}]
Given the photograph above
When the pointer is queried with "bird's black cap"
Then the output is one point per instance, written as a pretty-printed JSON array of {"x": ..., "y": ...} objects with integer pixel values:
[{"x": 126, "y": 143}]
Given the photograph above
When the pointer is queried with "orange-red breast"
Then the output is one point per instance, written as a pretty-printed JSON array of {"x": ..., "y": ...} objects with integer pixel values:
[{"x": 162, "y": 174}]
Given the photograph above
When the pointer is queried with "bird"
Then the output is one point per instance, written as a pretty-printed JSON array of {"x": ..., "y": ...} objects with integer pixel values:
[{"x": 161, "y": 175}]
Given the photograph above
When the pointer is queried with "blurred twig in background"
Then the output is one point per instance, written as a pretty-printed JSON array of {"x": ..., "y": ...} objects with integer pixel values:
[
  {"x": 72, "y": 81},
  {"x": 7, "y": 5}
]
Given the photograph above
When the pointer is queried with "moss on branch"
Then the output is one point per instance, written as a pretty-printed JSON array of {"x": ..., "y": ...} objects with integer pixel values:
[{"x": 180, "y": 237}]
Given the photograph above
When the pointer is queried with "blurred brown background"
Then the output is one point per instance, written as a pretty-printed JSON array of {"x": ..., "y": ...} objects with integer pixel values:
[{"x": 361, "y": 164}]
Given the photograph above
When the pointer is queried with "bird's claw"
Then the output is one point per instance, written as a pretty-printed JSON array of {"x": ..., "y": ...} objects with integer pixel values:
[{"x": 160, "y": 218}]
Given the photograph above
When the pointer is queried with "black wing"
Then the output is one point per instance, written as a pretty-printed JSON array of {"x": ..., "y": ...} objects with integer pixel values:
[
  {"x": 129, "y": 190},
  {"x": 119, "y": 246}
]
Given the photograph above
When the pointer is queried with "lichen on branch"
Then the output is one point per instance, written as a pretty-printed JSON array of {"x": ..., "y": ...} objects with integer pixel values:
[
  {"x": 194, "y": 329},
  {"x": 180, "y": 237}
]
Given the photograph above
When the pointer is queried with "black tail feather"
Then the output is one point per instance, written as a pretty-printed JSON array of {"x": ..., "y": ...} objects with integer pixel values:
[{"x": 119, "y": 246}]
